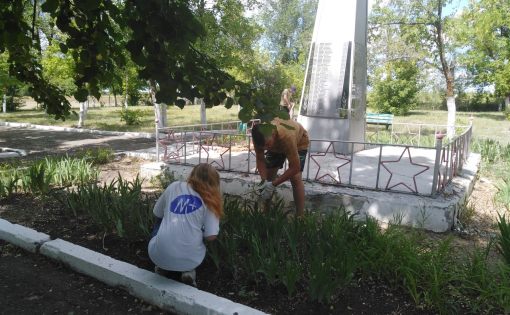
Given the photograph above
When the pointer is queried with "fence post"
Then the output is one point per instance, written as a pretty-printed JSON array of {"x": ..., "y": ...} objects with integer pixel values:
[
  {"x": 439, "y": 148},
  {"x": 157, "y": 140},
  {"x": 379, "y": 166}
]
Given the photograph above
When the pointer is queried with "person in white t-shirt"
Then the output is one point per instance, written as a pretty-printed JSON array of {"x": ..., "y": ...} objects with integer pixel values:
[{"x": 187, "y": 213}]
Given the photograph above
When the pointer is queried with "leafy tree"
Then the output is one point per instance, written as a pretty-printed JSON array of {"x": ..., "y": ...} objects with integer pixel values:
[
  {"x": 486, "y": 34},
  {"x": 9, "y": 86},
  {"x": 428, "y": 31},
  {"x": 395, "y": 87},
  {"x": 58, "y": 68},
  {"x": 20, "y": 40},
  {"x": 289, "y": 27},
  {"x": 230, "y": 35},
  {"x": 160, "y": 37}
]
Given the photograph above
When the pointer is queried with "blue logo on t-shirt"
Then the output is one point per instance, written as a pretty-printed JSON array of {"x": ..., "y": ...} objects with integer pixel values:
[{"x": 185, "y": 204}]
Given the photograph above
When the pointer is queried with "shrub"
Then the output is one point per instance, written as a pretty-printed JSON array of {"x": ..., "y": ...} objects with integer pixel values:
[{"x": 131, "y": 117}]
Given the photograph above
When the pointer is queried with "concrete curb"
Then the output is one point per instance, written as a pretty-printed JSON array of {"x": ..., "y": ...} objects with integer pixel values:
[
  {"x": 21, "y": 236},
  {"x": 79, "y": 130},
  {"x": 10, "y": 152},
  {"x": 165, "y": 293}
]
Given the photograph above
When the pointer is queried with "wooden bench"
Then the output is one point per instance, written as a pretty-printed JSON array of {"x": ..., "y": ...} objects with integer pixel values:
[{"x": 379, "y": 119}]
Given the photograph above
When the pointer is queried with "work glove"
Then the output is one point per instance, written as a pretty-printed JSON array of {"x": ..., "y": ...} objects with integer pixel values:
[{"x": 267, "y": 190}]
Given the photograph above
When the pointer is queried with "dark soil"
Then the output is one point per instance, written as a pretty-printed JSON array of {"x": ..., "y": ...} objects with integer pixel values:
[
  {"x": 363, "y": 297},
  {"x": 32, "y": 284}
]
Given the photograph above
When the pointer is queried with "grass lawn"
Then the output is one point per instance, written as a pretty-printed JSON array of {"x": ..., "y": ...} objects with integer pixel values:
[
  {"x": 486, "y": 125},
  {"x": 491, "y": 125},
  {"x": 108, "y": 118}
]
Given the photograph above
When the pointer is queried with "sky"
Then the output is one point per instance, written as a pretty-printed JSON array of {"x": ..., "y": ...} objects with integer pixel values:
[{"x": 455, "y": 6}]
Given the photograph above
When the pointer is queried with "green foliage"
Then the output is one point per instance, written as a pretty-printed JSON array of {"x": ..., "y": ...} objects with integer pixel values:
[
  {"x": 116, "y": 207},
  {"x": 13, "y": 103},
  {"x": 480, "y": 101},
  {"x": 68, "y": 171},
  {"x": 491, "y": 150},
  {"x": 97, "y": 156},
  {"x": 228, "y": 30},
  {"x": 58, "y": 67},
  {"x": 19, "y": 40},
  {"x": 485, "y": 30},
  {"x": 503, "y": 194},
  {"x": 288, "y": 28},
  {"x": 322, "y": 254},
  {"x": 503, "y": 241},
  {"x": 131, "y": 116},
  {"x": 9, "y": 86},
  {"x": 163, "y": 180},
  {"x": 9, "y": 182},
  {"x": 40, "y": 177},
  {"x": 105, "y": 38},
  {"x": 395, "y": 88},
  {"x": 37, "y": 179}
]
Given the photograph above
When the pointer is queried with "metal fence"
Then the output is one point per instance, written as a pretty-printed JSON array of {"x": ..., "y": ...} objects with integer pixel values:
[{"x": 406, "y": 168}]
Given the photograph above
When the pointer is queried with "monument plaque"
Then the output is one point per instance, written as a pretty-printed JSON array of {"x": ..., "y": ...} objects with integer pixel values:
[{"x": 333, "y": 100}]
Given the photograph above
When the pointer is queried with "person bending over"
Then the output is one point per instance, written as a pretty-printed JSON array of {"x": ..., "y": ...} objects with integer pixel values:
[
  {"x": 289, "y": 140},
  {"x": 187, "y": 213}
]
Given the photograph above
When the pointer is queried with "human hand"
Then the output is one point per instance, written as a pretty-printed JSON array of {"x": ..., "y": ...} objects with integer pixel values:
[{"x": 267, "y": 190}]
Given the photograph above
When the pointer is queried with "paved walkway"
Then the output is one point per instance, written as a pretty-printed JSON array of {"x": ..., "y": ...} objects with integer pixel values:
[{"x": 42, "y": 142}]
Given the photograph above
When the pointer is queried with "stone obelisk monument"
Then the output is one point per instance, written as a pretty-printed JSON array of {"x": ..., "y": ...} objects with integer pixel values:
[{"x": 333, "y": 101}]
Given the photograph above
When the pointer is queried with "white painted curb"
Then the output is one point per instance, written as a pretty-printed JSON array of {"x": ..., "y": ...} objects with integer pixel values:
[
  {"x": 21, "y": 236},
  {"x": 165, "y": 293},
  {"x": 79, "y": 130}
]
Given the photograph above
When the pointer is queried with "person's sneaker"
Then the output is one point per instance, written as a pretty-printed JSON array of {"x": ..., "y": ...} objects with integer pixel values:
[
  {"x": 161, "y": 272},
  {"x": 189, "y": 277}
]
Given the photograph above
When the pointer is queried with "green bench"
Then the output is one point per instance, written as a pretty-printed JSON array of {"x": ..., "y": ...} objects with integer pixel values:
[{"x": 379, "y": 119}]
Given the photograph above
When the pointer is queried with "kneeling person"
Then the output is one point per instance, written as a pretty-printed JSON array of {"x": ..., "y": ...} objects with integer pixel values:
[{"x": 187, "y": 213}]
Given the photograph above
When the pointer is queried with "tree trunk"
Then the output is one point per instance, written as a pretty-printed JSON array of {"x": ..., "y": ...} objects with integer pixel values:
[
  {"x": 81, "y": 117},
  {"x": 114, "y": 96},
  {"x": 4, "y": 104},
  {"x": 507, "y": 102},
  {"x": 126, "y": 93},
  {"x": 203, "y": 116},
  {"x": 450, "y": 103},
  {"x": 84, "y": 106},
  {"x": 159, "y": 109}
]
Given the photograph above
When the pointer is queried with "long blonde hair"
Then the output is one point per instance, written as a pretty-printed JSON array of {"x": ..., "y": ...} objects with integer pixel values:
[{"x": 205, "y": 180}]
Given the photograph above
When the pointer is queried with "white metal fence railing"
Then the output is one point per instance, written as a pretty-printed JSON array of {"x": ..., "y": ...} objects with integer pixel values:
[{"x": 406, "y": 168}]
